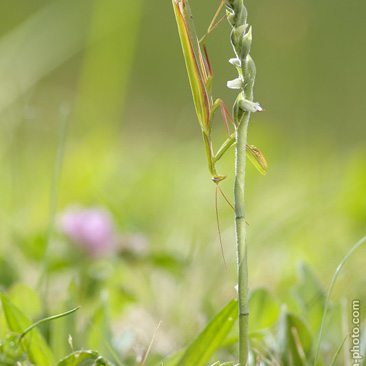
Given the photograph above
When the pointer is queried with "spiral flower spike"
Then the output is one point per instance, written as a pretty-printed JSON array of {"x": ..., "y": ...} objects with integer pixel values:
[{"x": 241, "y": 41}]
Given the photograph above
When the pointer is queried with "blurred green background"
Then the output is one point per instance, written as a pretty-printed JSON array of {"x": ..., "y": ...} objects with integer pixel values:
[{"x": 134, "y": 146}]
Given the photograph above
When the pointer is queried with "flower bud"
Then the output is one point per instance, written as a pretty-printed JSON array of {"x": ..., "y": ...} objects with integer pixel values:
[
  {"x": 231, "y": 17},
  {"x": 237, "y": 11},
  {"x": 250, "y": 68},
  {"x": 237, "y": 36},
  {"x": 246, "y": 44}
]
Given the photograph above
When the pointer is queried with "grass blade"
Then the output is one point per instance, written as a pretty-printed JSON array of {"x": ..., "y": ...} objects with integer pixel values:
[
  {"x": 338, "y": 351},
  {"x": 37, "y": 349},
  {"x": 84, "y": 358},
  {"x": 50, "y": 318},
  {"x": 335, "y": 276},
  {"x": 202, "y": 348}
]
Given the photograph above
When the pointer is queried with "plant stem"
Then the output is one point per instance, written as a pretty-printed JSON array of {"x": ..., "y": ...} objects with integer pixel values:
[
  {"x": 241, "y": 40},
  {"x": 241, "y": 243}
]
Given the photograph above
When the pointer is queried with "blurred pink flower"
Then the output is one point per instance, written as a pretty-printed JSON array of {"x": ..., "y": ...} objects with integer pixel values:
[{"x": 90, "y": 228}]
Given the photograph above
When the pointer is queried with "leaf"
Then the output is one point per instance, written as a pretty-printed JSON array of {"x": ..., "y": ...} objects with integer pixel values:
[
  {"x": 8, "y": 273},
  {"x": 84, "y": 358},
  {"x": 182, "y": 357},
  {"x": 294, "y": 340},
  {"x": 310, "y": 288},
  {"x": 310, "y": 295},
  {"x": 264, "y": 310},
  {"x": 19, "y": 292},
  {"x": 202, "y": 348},
  {"x": 35, "y": 345},
  {"x": 99, "y": 333},
  {"x": 10, "y": 353}
]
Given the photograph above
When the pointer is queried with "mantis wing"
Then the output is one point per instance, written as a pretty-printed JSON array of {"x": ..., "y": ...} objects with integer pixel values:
[{"x": 190, "y": 46}]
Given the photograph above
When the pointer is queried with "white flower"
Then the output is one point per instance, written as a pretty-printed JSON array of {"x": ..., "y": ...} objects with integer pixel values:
[
  {"x": 235, "y": 61},
  {"x": 235, "y": 84},
  {"x": 249, "y": 106}
]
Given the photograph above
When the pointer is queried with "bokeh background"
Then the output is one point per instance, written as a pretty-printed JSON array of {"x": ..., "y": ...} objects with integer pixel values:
[{"x": 96, "y": 110}]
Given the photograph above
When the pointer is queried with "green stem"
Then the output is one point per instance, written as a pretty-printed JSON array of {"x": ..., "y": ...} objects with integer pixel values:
[
  {"x": 241, "y": 244},
  {"x": 241, "y": 40}
]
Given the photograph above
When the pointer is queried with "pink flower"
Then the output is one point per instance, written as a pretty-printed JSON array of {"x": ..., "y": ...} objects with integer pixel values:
[{"x": 90, "y": 228}]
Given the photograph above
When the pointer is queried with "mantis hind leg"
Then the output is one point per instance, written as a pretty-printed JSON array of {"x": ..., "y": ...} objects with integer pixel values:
[
  {"x": 225, "y": 198},
  {"x": 218, "y": 225},
  {"x": 218, "y": 188}
]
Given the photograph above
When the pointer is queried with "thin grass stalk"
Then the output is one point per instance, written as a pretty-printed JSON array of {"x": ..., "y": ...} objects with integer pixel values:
[
  {"x": 326, "y": 305},
  {"x": 43, "y": 280},
  {"x": 241, "y": 39}
]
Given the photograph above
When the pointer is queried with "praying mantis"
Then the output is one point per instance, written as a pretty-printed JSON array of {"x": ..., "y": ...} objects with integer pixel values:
[{"x": 200, "y": 78}]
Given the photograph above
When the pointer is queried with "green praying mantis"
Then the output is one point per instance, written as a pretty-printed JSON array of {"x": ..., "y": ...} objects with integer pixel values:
[{"x": 200, "y": 78}]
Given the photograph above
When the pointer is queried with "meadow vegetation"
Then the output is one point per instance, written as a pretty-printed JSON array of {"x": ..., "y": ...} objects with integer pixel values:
[{"x": 106, "y": 203}]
